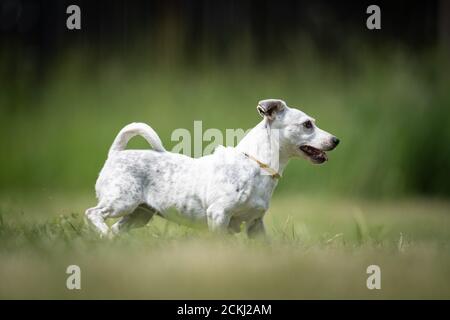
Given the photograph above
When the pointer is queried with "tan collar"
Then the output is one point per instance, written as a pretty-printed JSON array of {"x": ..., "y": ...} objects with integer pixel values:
[{"x": 273, "y": 173}]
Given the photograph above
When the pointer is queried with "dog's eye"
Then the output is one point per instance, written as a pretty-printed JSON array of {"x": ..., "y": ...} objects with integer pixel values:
[{"x": 307, "y": 124}]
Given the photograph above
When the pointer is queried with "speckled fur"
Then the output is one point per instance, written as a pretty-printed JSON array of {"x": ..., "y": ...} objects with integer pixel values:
[{"x": 221, "y": 190}]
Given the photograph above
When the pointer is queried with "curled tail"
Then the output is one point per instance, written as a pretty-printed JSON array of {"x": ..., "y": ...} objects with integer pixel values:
[{"x": 134, "y": 129}]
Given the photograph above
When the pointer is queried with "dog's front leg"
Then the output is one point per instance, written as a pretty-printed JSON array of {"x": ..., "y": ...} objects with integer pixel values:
[
  {"x": 256, "y": 229},
  {"x": 218, "y": 218}
]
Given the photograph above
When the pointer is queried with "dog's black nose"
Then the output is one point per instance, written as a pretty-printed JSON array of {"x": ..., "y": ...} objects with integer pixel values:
[{"x": 335, "y": 141}]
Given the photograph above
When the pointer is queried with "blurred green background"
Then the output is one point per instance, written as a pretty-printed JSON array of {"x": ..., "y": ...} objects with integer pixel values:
[
  {"x": 388, "y": 100},
  {"x": 381, "y": 199}
]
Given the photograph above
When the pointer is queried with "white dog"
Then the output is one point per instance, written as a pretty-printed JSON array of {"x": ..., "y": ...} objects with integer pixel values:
[{"x": 221, "y": 190}]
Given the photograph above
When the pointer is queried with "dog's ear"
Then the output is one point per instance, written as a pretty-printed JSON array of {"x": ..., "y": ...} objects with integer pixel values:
[{"x": 270, "y": 107}]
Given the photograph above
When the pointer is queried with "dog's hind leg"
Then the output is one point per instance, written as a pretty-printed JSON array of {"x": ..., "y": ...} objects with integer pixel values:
[
  {"x": 96, "y": 216},
  {"x": 138, "y": 218}
]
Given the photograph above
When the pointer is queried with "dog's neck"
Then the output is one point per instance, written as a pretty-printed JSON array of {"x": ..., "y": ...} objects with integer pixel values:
[{"x": 262, "y": 143}]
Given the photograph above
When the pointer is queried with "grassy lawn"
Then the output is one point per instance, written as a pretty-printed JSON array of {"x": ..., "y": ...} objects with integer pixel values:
[
  {"x": 320, "y": 248},
  {"x": 382, "y": 199},
  {"x": 387, "y": 107}
]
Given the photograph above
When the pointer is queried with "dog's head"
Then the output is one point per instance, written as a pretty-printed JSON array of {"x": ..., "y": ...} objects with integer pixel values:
[{"x": 298, "y": 134}]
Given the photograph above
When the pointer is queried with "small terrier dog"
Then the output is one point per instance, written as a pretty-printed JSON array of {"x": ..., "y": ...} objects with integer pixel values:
[{"x": 221, "y": 190}]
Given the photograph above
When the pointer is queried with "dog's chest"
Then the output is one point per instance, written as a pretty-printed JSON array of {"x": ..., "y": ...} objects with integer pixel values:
[
  {"x": 260, "y": 193},
  {"x": 241, "y": 179}
]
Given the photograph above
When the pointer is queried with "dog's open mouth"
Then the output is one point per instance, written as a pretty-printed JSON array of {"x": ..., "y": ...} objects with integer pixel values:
[{"x": 313, "y": 154}]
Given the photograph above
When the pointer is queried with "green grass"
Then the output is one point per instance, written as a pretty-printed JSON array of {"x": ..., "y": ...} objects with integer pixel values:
[
  {"x": 374, "y": 202},
  {"x": 320, "y": 248}
]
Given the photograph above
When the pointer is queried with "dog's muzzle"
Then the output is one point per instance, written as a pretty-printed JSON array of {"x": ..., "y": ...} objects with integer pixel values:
[
  {"x": 313, "y": 154},
  {"x": 316, "y": 155}
]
